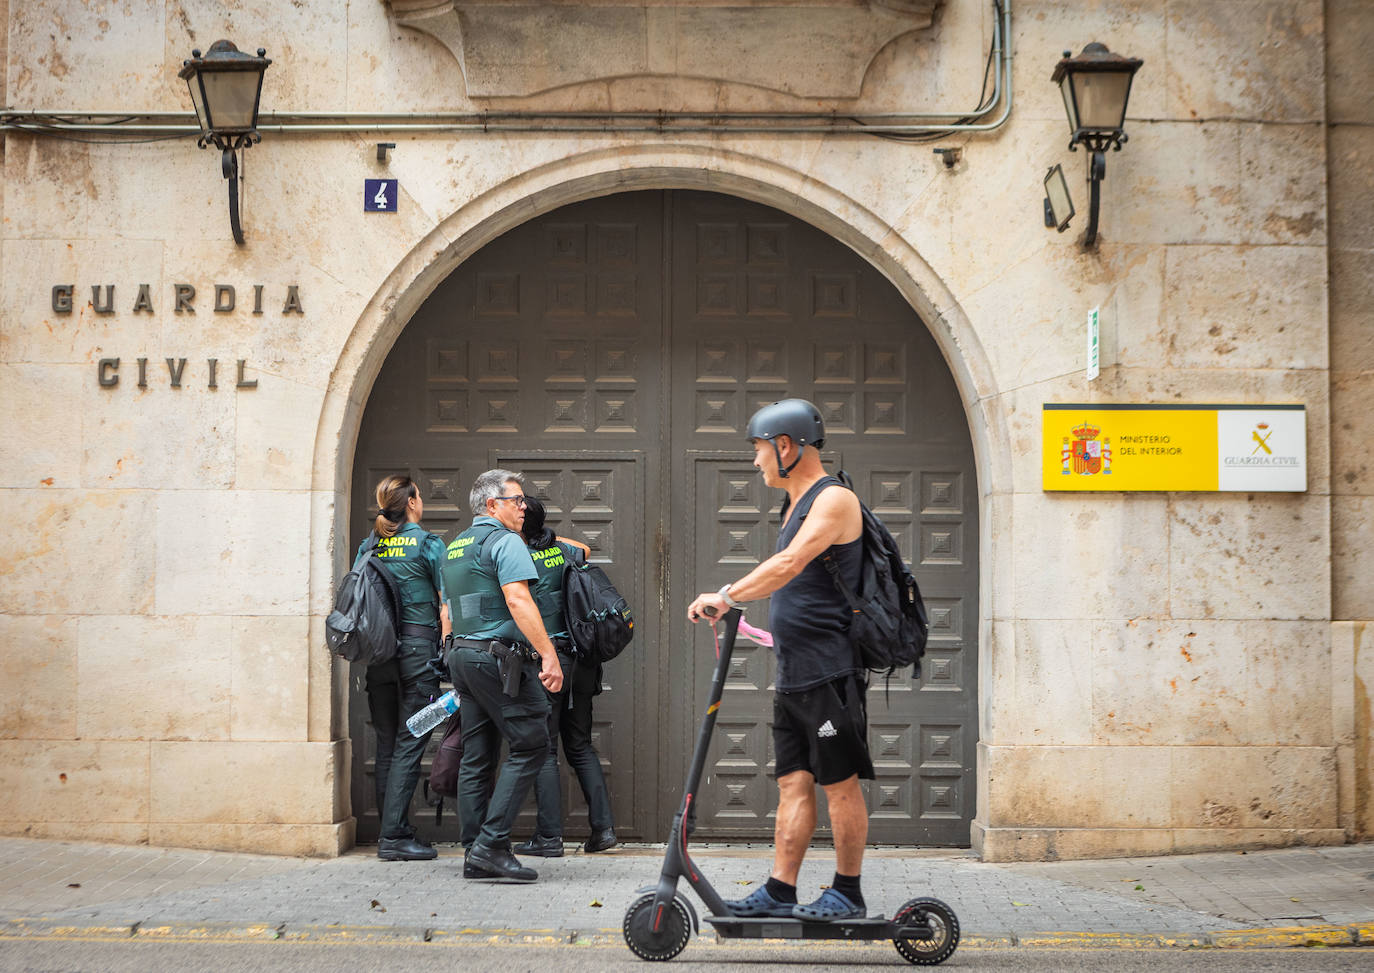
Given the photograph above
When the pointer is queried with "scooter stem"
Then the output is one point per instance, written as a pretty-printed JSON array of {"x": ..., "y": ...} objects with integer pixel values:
[{"x": 678, "y": 862}]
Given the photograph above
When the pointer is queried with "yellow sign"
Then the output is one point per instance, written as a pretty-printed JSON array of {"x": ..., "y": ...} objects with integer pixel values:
[{"x": 1174, "y": 447}]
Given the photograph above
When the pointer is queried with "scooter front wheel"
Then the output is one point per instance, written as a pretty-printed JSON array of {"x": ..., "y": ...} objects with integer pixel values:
[
  {"x": 663, "y": 943},
  {"x": 943, "y": 923}
]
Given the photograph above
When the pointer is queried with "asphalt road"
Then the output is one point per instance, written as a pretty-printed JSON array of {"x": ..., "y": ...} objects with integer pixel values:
[{"x": 78, "y": 956}]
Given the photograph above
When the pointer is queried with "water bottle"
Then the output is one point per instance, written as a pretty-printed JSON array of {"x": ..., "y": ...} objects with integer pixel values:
[{"x": 433, "y": 714}]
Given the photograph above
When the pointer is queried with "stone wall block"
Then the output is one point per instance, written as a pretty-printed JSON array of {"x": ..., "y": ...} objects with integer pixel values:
[
  {"x": 1262, "y": 556},
  {"x": 190, "y": 447},
  {"x": 1251, "y": 307},
  {"x": 1210, "y": 683},
  {"x": 1253, "y": 787},
  {"x": 1074, "y": 787},
  {"x": 245, "y": 783},
  {"x": 307, "y": 45},
  {"x": 37, "y": 676},
  {"x": 277, "y": 424},
  {"x": 391, "y": 69},
  {"x": 52, "y": 573},
  {"x": 1352, "y": 557},
  {"x": 1249, "y": 58},
  {"x": 1351, "y": 298},
  {"x": 1350, "y": 170},
  {"x": 47, "y": 431},
  {"x": 298, "y": 840},
  {"x": 1042, "y": 686},
  {"x": 77, "y": 53},
  {"x": 1362, "y": 651},
  {"x": 153, "y": 678},
  {"x": 269, "y": 678},
  {"x": 82, "y": 781},
  {"x": 1283, "y": 184},
  {"x": 1349, "y": 39},
  {"x": 1352, "y": 441},
  {"x": 1174, "y": 183},
  {"x": 251, "y": 562},
  {"x": 1044, "y": 29},
  {"x": 1100, "y": 556}
]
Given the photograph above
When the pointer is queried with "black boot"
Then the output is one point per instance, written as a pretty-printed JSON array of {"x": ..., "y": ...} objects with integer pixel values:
[
  {"x": 541, "y": 846},
  {"x": 496, "y": 863},
  {"x": 404, "y": 850},
  {"x": 600, "y": 841}
]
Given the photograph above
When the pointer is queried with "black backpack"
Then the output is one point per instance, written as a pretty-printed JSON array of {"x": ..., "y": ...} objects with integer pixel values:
[
  {"x": 367, "y": 612},
  {"x": 889, "y": 625},
  {"x": 599, "y": 619}
]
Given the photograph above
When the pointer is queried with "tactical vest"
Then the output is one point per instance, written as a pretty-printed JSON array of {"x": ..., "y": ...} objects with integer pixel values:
[
  {"x": 475, "y": 598},
  {"x": 405, "y": 554},
  {"x": 547, "y": 589}
]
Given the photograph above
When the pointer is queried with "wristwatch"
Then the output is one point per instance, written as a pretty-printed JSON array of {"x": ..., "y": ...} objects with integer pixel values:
[{"x": 724, "y": 592}]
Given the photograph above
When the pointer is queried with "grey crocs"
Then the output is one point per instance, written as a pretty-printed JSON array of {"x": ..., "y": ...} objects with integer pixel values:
[
  {"x": 760, "y": 903},
  {"x": 830, "y": 907}
]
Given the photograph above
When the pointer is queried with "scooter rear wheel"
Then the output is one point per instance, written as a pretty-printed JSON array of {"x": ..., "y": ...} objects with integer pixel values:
[
  {"x": 942, "y": 921},
  {"x": 664, "y": 943}
]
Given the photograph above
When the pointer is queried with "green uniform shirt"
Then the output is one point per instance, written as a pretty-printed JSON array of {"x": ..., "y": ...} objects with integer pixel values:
[
  {"x": 504, "y": 558},
  {"x": 415, "y": 558}
]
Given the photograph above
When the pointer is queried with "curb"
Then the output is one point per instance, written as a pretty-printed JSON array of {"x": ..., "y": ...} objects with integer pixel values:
[{"x": 1282, "y": 937}]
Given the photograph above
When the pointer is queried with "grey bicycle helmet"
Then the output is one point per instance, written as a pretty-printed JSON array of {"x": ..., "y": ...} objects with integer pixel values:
[{"x": 797, "y": 419}]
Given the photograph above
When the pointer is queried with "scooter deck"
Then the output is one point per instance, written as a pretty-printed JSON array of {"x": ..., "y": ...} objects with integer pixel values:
[{"x": 770, "y": 927}]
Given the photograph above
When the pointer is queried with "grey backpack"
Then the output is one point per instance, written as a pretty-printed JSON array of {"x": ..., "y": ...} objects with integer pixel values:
[{"x": 367, "y": 612}]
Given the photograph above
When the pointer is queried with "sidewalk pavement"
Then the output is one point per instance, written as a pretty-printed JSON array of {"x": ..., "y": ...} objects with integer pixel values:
[{"x": 1289, "y": 897}]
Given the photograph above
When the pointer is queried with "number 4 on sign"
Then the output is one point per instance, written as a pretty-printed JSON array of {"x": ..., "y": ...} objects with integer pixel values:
[{"x": 380, "y": 195}]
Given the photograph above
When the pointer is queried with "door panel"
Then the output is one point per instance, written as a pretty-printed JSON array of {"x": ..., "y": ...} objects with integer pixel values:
[{"x": 576, "y": 347}]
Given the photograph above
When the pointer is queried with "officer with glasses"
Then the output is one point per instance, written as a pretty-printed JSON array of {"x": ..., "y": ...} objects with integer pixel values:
[{"x": 501, "y": 660}]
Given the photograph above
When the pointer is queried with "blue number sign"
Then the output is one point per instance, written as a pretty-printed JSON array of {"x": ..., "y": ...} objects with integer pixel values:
[{"x": 379, "y": 195}]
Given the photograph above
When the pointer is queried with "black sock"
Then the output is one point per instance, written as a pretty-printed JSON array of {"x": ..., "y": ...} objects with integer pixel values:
[
  {"x": 781, "y": 891},
  {"x": 848, "y": 886}
]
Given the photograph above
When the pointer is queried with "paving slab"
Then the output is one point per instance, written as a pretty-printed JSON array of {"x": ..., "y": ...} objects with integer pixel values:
[{"x": 1274, "y": 898}]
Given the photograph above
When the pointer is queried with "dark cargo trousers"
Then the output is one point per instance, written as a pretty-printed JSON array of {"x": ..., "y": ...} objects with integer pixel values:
[
  {"x": 396, "y": 691},
  {"x": 488, "y": 716},
  {"x": 570, "y": 718}
]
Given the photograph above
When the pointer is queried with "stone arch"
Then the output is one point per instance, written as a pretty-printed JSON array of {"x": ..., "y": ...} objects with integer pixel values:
[{"x": 599, "y": 173}]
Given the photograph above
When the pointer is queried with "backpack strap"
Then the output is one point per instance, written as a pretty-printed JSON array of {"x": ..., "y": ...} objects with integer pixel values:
[{"x": 393, "y": 589}]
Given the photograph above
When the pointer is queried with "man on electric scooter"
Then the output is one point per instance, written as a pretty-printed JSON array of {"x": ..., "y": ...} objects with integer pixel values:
[{"x": 820, "y": 724}]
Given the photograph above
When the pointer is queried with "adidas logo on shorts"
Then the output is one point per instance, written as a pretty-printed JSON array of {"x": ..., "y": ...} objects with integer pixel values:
[{"x": 827, "y": 729}]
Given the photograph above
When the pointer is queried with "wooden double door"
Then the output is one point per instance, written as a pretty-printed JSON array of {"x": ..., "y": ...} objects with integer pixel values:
[{"x": 613, "y": 351}]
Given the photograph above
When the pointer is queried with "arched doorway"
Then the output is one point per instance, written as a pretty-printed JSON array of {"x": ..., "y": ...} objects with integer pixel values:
[{"x": 613, "y": 350}]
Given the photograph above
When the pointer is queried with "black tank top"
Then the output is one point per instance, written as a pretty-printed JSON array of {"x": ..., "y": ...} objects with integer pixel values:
[{"x": 808, "y": 616}]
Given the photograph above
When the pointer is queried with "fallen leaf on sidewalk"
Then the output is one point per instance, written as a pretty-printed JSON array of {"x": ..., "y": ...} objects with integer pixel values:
[
  {"x": 1291, "y": 899},
  {"x": 1140, "y": 888},
  {"x": 1019, "y": 904},
  {"x": 378, "y": 906},
  {"x": 744, "y": 881},
  {"x": 595, "y": 903},
  {"x": 73, "y": 885},
  {"x": 1130, "y": 880}
]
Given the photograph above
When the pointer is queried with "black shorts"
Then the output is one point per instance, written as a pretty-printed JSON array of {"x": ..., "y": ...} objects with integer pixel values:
[{"x": 823, "y": 731}]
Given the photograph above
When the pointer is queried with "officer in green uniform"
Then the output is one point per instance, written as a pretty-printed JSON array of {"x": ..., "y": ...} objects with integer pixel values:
[
  {"x": 500, "y": 655},
  {"x": 397, "y": 689}
]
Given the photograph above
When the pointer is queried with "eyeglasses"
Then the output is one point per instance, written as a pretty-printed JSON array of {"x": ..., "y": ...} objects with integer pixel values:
[{"x": 518, "y": 498}]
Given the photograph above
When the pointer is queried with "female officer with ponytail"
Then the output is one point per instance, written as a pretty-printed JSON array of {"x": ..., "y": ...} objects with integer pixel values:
[{"x": 396, "y": 690}]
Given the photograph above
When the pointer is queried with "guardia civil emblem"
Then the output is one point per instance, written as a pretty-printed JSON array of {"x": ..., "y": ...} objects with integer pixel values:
[{"x": 1084, "y": 454}]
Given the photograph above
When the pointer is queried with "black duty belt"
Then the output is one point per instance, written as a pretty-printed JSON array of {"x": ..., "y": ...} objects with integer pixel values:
[
  {"x": 485, "y": 645},
  {"x": 412, "y": 629}
]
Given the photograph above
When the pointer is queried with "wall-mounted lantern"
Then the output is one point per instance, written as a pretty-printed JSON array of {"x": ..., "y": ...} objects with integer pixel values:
[
  {"x": 1096, "y": 86},
  {"x": 226, "y": 88}
]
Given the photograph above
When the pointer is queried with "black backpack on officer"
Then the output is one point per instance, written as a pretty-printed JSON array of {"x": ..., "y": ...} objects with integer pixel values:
[
  {"x": 889, "y": 625},
  {"x": 367, "y": 612},
  {"x": 598, "y": 617}
]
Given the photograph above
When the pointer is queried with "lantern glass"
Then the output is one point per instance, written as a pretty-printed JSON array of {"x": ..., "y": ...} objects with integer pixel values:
[
  {"x": 1061, "y": 209},
  {"x": 198, "y": 99},
  {"x": 231, "y": 99},
  {"x": 1101, "y": 99}
]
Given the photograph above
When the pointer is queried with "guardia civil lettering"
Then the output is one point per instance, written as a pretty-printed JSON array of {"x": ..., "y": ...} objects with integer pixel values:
[{"x": 183, "y": 299}]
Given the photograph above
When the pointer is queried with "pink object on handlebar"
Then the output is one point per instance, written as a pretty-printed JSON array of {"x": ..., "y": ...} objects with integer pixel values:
[{"x": 756, "y": 635}]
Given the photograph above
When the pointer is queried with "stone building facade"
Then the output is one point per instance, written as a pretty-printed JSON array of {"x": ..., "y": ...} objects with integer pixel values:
[{"x": 605, "y": 251}]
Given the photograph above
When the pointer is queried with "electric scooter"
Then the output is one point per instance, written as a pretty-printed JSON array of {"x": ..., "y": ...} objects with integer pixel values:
[{"x": 661, "y": 919}]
